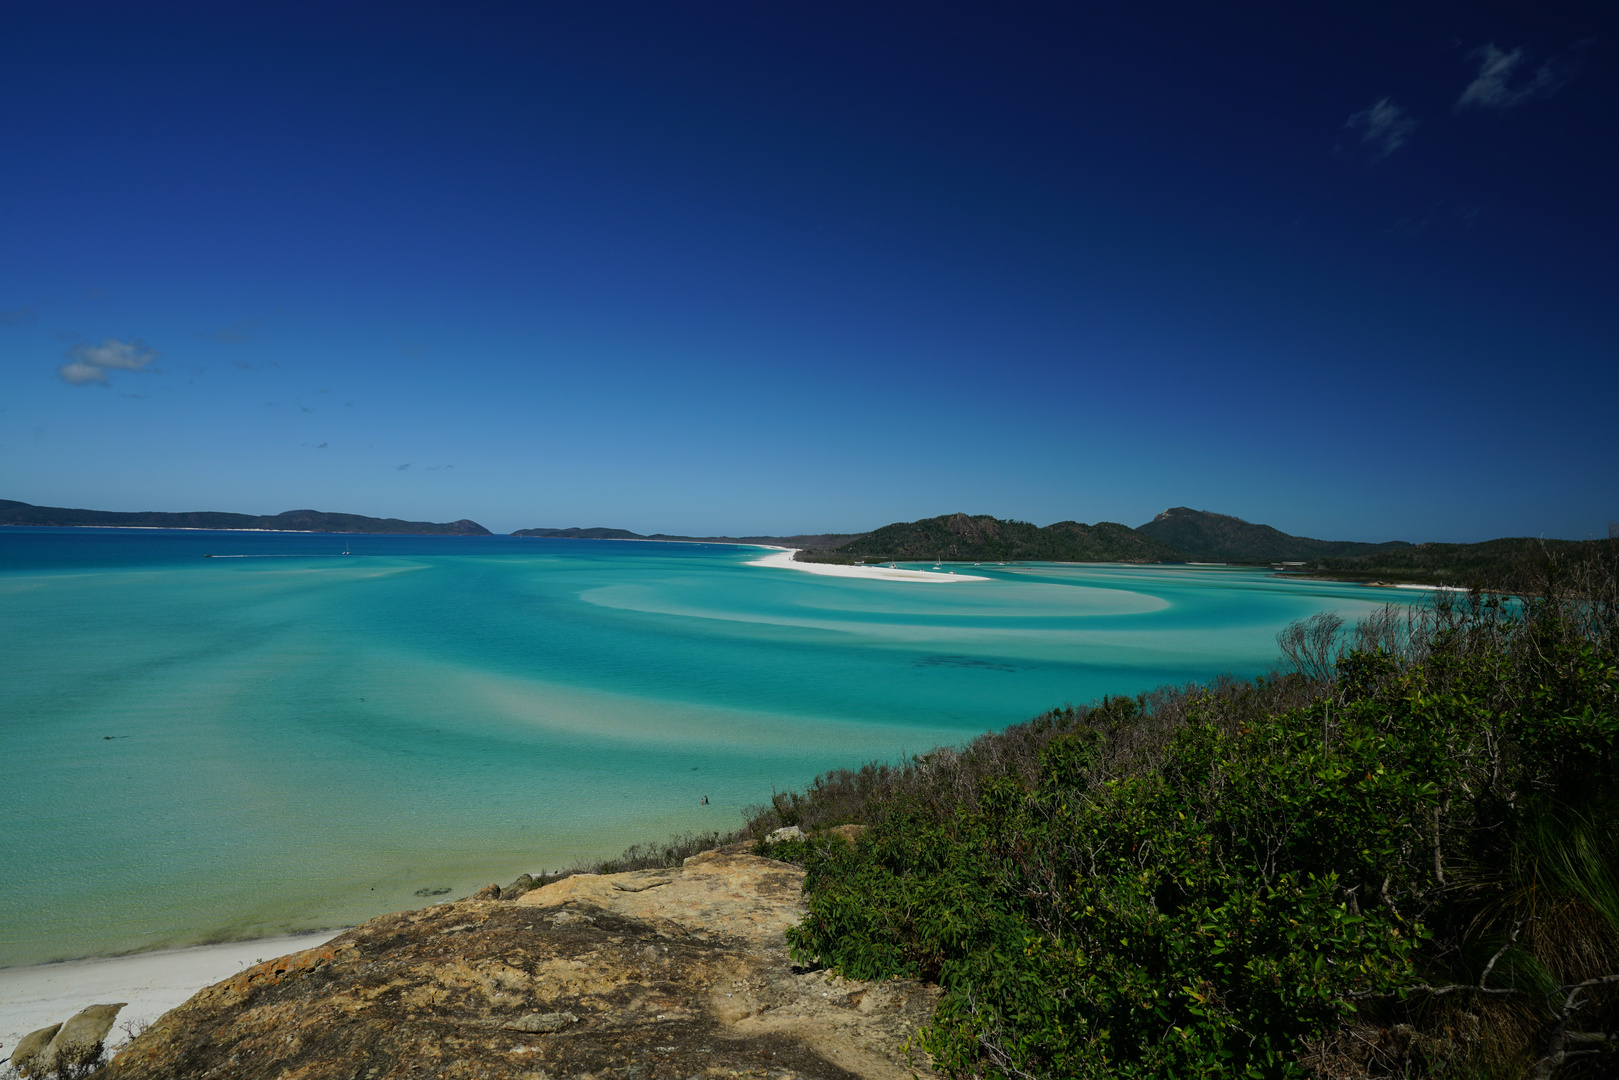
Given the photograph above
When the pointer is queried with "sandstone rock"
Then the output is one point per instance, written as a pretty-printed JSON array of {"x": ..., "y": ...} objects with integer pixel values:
[
  {"x": 77, "y": 1041},
  {"x": 690, "y": 977},
  {"x": 790, "y": 832},
  {"x": 850, "y": 833},
  {"x": 29, "y": 1046},
  {"x": 490, "y": 891}
]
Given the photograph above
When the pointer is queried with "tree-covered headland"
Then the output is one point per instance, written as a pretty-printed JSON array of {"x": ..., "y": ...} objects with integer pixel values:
[
  {"x": 969, "y": 538},
  {"x": 1399, "y": 857}
]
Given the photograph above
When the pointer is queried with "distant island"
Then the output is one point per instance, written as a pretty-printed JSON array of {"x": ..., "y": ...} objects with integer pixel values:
[
  {"x": 1178, "y": 535},
  {"x": 806, "y": 540},
  {"x": 314, "y": 521}
]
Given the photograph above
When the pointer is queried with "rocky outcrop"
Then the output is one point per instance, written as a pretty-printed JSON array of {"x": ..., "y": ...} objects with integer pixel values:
[
  {"x": 62, "y": 1047},
  {"x": 669, "y": 973},
  {"x": 28, "y": 1048}
]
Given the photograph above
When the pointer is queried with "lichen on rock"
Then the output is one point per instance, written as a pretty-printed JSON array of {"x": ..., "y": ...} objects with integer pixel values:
[{"x": 672, "y": 973}]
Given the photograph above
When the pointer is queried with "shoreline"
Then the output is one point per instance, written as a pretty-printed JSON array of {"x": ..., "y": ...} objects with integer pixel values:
[
  {"x": 783, "y": 560},
  {"x": 151, "y": 983}
]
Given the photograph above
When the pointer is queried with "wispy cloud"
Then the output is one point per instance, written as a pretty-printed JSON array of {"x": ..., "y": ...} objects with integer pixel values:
[
  {"x": 89, "y": 364},
  {"x": 112, "y": 353},
  {"x": 237, "y": 333},
  {"x": 1497, "y": 70},
  {"x": 17, "y": 316},
  {"x": 79, "y": 374},
  {"x": 402, "y": 468},
  {"x": 1384, "y": 127}
]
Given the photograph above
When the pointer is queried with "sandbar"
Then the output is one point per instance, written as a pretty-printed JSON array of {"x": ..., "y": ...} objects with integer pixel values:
[
  {"x": 152, "y": 983},
  {"x": 783, "y": 559}
]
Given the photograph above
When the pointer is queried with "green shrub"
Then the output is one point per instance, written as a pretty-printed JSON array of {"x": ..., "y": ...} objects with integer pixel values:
[{"x": 1413, "y": 853}]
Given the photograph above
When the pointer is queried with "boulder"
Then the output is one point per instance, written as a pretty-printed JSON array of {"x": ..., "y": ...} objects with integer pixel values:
[
  {"x": 77, "y": 1041},
  {"x": 22, "y": 1058},
  {"x": 790, "y": 832}
]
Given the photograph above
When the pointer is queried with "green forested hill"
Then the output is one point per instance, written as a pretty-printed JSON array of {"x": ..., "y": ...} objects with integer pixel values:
[
  {"x": 21, "y": 513},
  {"x": 981, "y": 538},
  {"x": 1222, "y": 538}
]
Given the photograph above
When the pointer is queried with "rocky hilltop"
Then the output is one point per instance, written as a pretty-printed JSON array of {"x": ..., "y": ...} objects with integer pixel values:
[{"x": 643, "y": 975}]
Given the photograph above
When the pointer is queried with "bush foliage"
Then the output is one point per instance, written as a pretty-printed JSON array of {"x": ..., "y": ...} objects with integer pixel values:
[{"x": 1399, "y": 859}]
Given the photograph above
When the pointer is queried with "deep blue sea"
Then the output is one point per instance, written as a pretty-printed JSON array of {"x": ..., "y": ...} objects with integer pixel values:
[{"x": 196, "y": 749}]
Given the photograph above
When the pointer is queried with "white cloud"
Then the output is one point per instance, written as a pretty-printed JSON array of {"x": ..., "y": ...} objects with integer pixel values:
[
  {"x": 1384, "y": 127},
  {"x": 112, "y": 353},
  {"x": 82, "y": 374},
  {"x": 90, "y": 363},
  {"x": 1493, "y": 89}
]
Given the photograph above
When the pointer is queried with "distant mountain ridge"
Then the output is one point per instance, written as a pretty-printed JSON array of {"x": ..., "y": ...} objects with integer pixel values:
[
  {"x": 981, "y": 538},
  {"x": 1210, "y": 537},
  {"x": 803, "y": 540},
  {"x": 581, "y": 534},
  {"x": 21, "y": 513},
  {"x": 1179, "y": 534}
]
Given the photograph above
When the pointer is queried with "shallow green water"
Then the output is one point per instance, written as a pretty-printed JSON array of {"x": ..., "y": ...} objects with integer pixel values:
[{"x": 197, "y": 749}]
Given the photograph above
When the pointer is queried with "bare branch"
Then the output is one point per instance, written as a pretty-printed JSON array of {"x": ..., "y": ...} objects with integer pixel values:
[{"x": 1557, "y": 1047}]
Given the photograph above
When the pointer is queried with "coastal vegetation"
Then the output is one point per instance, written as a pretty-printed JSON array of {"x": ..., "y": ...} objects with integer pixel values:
[
  {"x": 1487, "y": 564},
  {"x": 1393, "y": 858}
]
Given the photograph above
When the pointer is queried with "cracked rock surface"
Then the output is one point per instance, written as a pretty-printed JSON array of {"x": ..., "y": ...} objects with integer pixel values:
[{"x": 643, "y": 976}]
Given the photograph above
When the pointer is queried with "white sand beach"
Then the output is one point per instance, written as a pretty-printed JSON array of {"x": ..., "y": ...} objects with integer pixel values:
[
  {"x": 152, "y": 983},
  {"x": 783, "y": 559}
]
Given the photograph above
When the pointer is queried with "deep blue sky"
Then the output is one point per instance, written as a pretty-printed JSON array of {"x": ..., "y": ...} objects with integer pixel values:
[{"x": 767, "y": 267}]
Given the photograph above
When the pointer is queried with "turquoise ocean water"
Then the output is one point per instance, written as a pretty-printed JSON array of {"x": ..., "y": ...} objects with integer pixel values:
[{"x": 198, "y": 749}]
